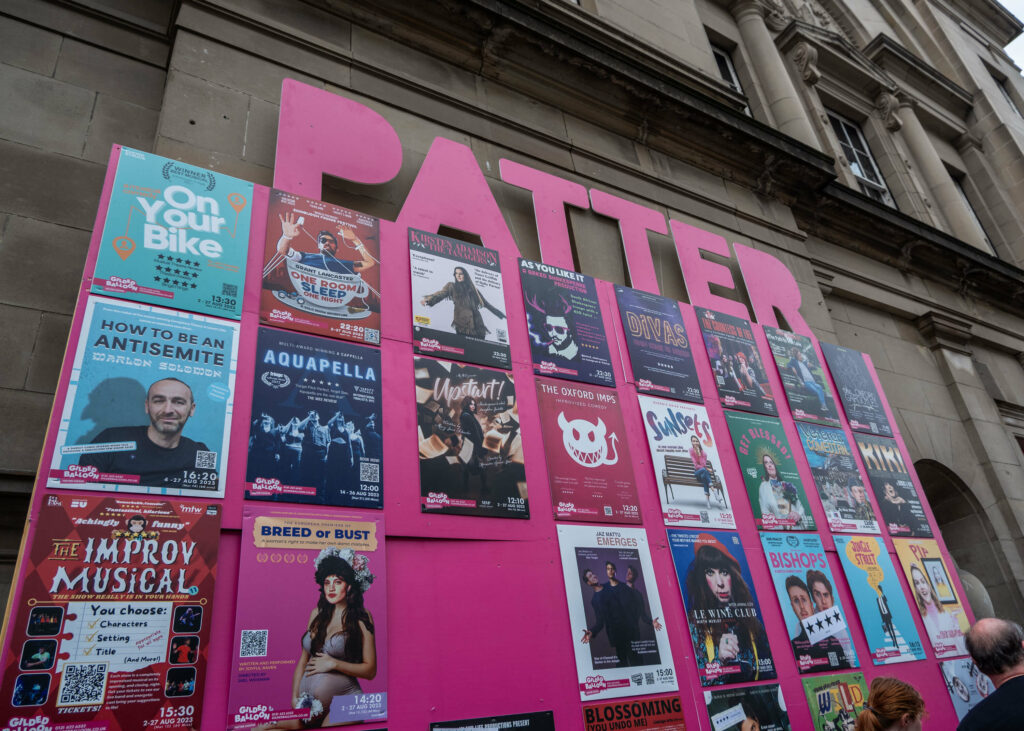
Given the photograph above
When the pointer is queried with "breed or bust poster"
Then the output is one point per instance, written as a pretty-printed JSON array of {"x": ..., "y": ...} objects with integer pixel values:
[
  {"x": 897, "y": 498},
  {"x": 739, "y": 372},
  {"x": 857, "y": 390},
  {"x": 753, "y": 708},
  {"x": 803, "y": 379},
  {"x": 839, "y": 482},
  {"x": 933, "y": 592}
]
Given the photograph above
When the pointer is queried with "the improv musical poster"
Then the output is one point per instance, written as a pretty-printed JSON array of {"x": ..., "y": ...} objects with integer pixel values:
[
  {"x": 803, "y": 379},
  {"x": 536, "y": 721},
  {"x": 739, "y": 372},
  {"x": 836, "y": 700},
  {"x": 175, "y": 235},
  {"x": 112, "y": 625},
  {"x": 933, "y": 591},
  {"x": 321, "y": 269},
  {"x": 967, "y": 685},
  {"x": 863, "y": 406},
  {"x": 665, "y": 714},
  {"x": 839, "y": 482},
  {"x": 754, "y": 708},
  {"x": 315, "y": 430},
  {"x": 148, "y": 407},
  {"x": 898, "y": 501}
]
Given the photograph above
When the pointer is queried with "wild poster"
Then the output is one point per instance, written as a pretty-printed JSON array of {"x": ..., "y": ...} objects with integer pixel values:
[
  {"x": 739, "y": 373},
  {"x": 807, "y": 387},
  {"x": 175, "y": 235},
  {"x": 967, "y": 685},
  {"x": 112, "y": 624},
  {"x": 933, "y": 591},
  {"x": 620, "y": 643},
  {"x": 857, "y": 390},
  {"x": 315, "y": 430},
  {"x": 815, "y": 620},
  {"x": 471, "y": 449},
  {"x": 321, "y": 269},
  {"x": 839, "y": 482},
  {"x": 726, "y": 623},
  {"x": 589, "y": 470},
  {"x": 893, "y": 486},
  {"x": 563, "y": 317},
  {"x": 458, "y": 300},
  {"x": 754, "y": 708},
  {"x": 687, "y": 464},
  {"x": 148, "y": 407},
  {"x": 836, "y": 700}
]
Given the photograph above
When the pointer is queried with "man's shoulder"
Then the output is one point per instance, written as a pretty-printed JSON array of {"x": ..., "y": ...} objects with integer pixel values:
[
  {"x": 994, "y": 712},
  {"x": 190, "y": 445}
]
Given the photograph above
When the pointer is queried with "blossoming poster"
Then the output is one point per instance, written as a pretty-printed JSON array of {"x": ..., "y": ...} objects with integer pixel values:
[
  {"x": 933, "y": 591},
  {"x": 319, "y": 658}
]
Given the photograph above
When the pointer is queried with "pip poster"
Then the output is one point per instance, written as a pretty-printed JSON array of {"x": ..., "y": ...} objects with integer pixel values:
[
  {"x": 112, "y": 626},
  {"x": 687, "y": 465},
  {"x": 321, "y": 269},
  {"x": 769, "y": 471},
  {"x": 894, "y": 490},
  {"x": 815, "y": 619},
  {"x": 148, "y": 407},
  {"x": 458, "y": 301},
  {"x": 881, "y": 605},
  {"x": 315, "y": 434},
  {"x": 621, "y": 646},
  {"x": 807, "y": 387},
  {"x": 857, "y": 390},
  {"x": 589, "y": 469},
  {"x": 331, "y": 569},
  {"x": 967, "y": 685},
  {"x": 664, "y": 713},
  {"x": 175, "y": 235},
  {"x": 944, "y": 618},
  {"x": 760, "y": 707},
  {"x": 840, "y": 486},
  {"x": 726, "y": 624},
  {"x": 659, "y": 349},
  {"x": 563, "y": 316},
  {"x": 836, "y": 700},
  {"x": 471, "y": 450},
  {"x": 739, "y": 373}
]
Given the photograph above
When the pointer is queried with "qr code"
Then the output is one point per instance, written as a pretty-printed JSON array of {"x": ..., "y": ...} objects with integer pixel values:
[
  {"x": 608, "y": 510},
  {"x": 833, "y": 659},
  {"x": 369, "y": 472},
  {"x": 229, "y": 290},
  {"x": 82, "y": 684},
  {"x": 206, "y": 460},
  {"x": 254, "y": 643},
  {"x": 649, "y": 677},
  {"x": 371, "y": 336}
]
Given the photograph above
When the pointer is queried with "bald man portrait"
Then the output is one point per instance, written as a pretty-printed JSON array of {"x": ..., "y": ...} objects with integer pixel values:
[{"x": 997, "y": 648}]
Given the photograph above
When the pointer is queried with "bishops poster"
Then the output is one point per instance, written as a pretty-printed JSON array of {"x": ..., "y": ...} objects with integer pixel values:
[
  {"x": 835, "y": 701},
  {"x": 111, "y": 628},
  {"x": 739, "y": 372},
  {"x": 967, "y": 685},
  {"x": 857, "y": 391},
  {"x": 936, "y": 597},
  {"x": 807, "y": 388},
  {"x": 839, "y": 482},
  {"x": 760, "y": 707},
  {"x": 897, "y": 499}
]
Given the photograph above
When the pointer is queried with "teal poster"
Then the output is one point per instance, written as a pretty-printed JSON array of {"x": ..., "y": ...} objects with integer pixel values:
[{"x": 175, "y": 236}]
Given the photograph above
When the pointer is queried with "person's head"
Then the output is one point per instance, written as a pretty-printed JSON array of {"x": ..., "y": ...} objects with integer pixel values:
[
  {"x": 337, "y": 580},
  {"x": 799, "y": 597},
  {"x": 715, "y": 578},
  {"x": 266, "y": 421},
  {"x": 997, "y": 646},
  {"x": 857, "y": 490},
  {"x": 890, "y": 491},
  {"x": 589, "y": 578},
  {"x": 460, "y": 275},
  {"x": 695, "y": 442},
  {"x": 326, "y": 243},
  {"x": 892, "y": 704},
  {"x": 469, "y": 404},
  {"x": 557, "y": 329},
  {"x": 609, "y": 569},
  {"x": 771, "y": 472},
  {"x": 169, "y": 404},
  {"x": 821, "y": 590},
  {"x": 742, "y": 358},
  {"x": 923, "y": 591},
  {"x": 136, "y": 524},
  {"x": 631, "y": 574},
  {"x": 350, "y": 426}
]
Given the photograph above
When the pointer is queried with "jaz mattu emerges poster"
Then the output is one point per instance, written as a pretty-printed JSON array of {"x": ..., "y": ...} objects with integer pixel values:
[
  {"x": 803, "y": 379},
  {"x": 891, "y": 482},
  {"x": 967, "y": 685},
  {"x": 148, "y": 407},
  {"x": 471, "y": 450},
  {"x": 318, "y": 659},
  {"x": 754, "y": 708},
  {"x": 687, "y": 465},
  {"x": 112, "y": 625},
  {"x": 857, "y": 390},
  {"x": 175, "y": 235},
  {"x": 739, "y": 373},
  {"x": 726, "y": 624},
  {"x": 815, "y": 619},
  {"x": 944, "y": 618},
  {"x": 589, "y": 469},
  {"x": 840, "y": 485},
  {"x": 614, "y": 613},
  {"x": 458, "y": 300},
  {"x": 321, "y": 269},
  {"x": 836, "y": 700}
]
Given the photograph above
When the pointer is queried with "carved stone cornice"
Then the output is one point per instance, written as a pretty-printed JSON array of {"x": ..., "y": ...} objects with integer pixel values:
[
  {"x": 945, "y": 331},
  {"x": 805, "y": 56},
  {"x": 833, "y": 58}
]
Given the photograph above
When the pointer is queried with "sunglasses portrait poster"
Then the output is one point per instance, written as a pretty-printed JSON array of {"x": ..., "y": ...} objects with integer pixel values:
[
  {"x": 857, "y": 391},
  {"x": 933, "y": 591},
  {"x": 836, "y": 700},
  {"x": 761, "y": 707},
  {"x": 736, "y": 362},
  {"x": 897, "y": 498},
  {"x": 807, "y": 387},
  {"x": 840, "y": 485}
]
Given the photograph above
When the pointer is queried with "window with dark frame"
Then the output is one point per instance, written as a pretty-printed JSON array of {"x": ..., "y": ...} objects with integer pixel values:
[
  {"x": 726, "y": 69},
  {"x": 862, "y": 164}
]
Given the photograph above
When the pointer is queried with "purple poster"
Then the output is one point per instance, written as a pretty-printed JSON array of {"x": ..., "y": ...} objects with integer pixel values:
[
  {"x": 739, "y": 373},
  {"x": 857, "y": 390}
]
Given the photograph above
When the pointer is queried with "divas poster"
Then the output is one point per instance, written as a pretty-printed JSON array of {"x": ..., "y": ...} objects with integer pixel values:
[
  {"x": 835, "y": 701},
  {"x": 321, "y": 269},
  {"x": 687, "y": 465},
  {"x": 932, "y": 590},
  {"x": 315, "y": 434},
  {"x": 659, "y": 349},
  {"x": 726, "y": 624},
  {"x": 967, "y": 685},
  {"x": 175, "y": 235},
  {"x": 148, "y": 407},
  {"x": 759, "y": 707},
  {"x": 112, "y": 625},
  {"x": 739, "y": 373},
  {"x": 589, "y": 469},
  {"x": 773, "y": 485},
  {"x": 563, "y": 316},
  {"x": 320, "y": 658},
  {"x": 471, "y": 450},
  {"x": 621, "y": 646},
  {"x": 857, "y": 390},
  {"x": 840, "y": 486},
  {"x": 660, "y": 713},
  {"x": 815, "y": 620},
  {"x": 458, "y": 300},
  {"x": 803, "y": 379},
  {"x": 881, "y": 605},
  {"x": 894, "y": 489}
]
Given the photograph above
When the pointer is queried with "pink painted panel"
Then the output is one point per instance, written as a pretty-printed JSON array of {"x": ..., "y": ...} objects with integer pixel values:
[
  {"x": 699, "y": 273},
  {"x": 634, "y": 223}
]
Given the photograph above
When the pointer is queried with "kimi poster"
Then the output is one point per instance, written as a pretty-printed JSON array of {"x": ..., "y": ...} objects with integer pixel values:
[
  {"x": 589, "y": 469},
  {"x": 836, "y": 700},
  {"x": 944, "y": 618},
  {"x": 148, "y": 407},
  {"x": 621, "y": 646},
  {"x": 687, "y": 465},
  {"x": 739, "y": 373},
  {"x": 315, "y": 434},
  {"x": 658, "y": 713},
  {"x": 539, "y": 721},
  {"x": 881, "y": 605},
  {"x": 815, "y": 620},
  {"x": 897, "y": 499},
  {"x": 175, "y": 235},
  {"x": 857, "y": 390},
  {"x": 112, "y": 625},
  {"x": 967, "y": 685},
  {"x": 471, "y": 449},
  {"x": 458, "y": 300},
  {"x": 567, "y": 332},
  {"x": 760, "y": 707},
  {"x": 835, "y": 473},
  {"x": 773, "y": 485},
  {"x": 332, "y": 571},
  {"x": 659, "y": 349},
  {"x": 803, "y": 379},
  {"x": 321, "y": 269},
  {"x": 726, "y": 624}
]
